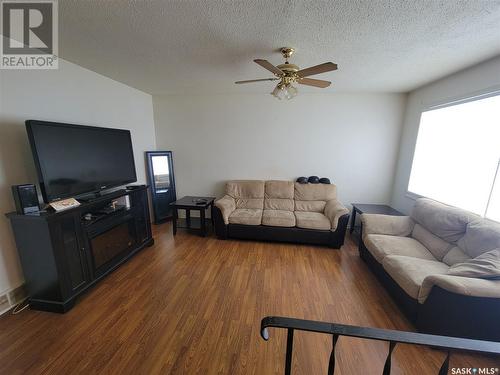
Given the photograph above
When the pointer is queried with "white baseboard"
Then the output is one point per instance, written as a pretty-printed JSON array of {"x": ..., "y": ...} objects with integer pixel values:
[{"x": 11, "y": 298}]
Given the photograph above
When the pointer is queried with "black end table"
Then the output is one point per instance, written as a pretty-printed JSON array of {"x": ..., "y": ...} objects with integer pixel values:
[
  {"x": 364, "y": 208},
  {"x": 189, "y": 203}
]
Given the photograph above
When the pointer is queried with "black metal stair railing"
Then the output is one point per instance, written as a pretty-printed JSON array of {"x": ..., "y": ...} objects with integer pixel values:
[{"x": 393, "y": 337}]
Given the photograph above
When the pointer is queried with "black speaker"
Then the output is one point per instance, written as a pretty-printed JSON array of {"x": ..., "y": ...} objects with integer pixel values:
[{"x": 26, "y": 198}]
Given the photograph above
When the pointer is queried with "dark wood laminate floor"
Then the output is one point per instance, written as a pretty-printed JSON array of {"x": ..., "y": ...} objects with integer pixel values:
[{"x": 193, "y": 305}]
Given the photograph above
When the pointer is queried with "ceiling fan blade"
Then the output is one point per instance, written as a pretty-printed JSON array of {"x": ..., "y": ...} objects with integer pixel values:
[
  {"x": 257, "y": 80},
  {"x": 321, "y": 68},
  {"x": 314, "y": 82},
  {"x": 267, "y": 65}
]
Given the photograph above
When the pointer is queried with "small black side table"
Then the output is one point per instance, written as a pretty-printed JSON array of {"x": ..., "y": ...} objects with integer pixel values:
[
  {"x": 189, "y": 203},
  {"x": 363, "y": 208}
]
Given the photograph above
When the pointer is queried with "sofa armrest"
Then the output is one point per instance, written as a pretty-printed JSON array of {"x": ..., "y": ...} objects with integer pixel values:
[
  {"x": 226, "y": 205},
  {"x": 333, "y": 211},
  {"x": 387, "y": 224},
  {"x": 466, "y": 286}
]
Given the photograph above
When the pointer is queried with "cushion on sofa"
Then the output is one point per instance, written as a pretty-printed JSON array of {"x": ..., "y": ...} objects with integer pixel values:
[
  {"x": 410, "y": 272},
  {"x": 485, "y": 266},
  {"x": 245, "y": 188},
  {"x": 278, "y": 195},
  {"x": 247, "y": 216},
  {"x": 315, "y": 192},
  {"x": 312, "y": 220},
  {"x": 310, "y": 206},
  {"x": 278, "y": 204},
  {"x": 279, "y": 189},
  {"x": 466, "y": 286},
  {"x": 381, "y": 245},
  {"x": 454, "y": 256},
  {"x": 387, "y": 224},
  {"x": 444, "y": 221},
  {"x": 252, "y": 203},
  {"x": 278, "y": 218},
  {"x": 247, "y": 193},
  {"x": 438, "y": 247},
  {"x": 481, "y": 236}
]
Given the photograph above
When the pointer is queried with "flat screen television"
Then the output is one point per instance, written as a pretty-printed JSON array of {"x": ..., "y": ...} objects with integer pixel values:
[{"x": 73, "y": 160}]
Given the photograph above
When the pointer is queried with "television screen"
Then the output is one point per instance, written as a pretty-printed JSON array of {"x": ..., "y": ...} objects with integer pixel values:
[{"x": 73, "y": 160}]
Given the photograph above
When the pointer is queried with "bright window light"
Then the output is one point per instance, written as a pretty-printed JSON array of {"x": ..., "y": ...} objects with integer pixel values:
[{"x": 457, "y": 156}]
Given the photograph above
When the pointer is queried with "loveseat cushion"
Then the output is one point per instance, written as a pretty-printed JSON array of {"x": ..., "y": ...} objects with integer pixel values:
[
  {"x": 312, "y": 220},
  {"x": 315, "y": 192},
  {"x": 454, "y": 256},
  {"x": 381, "y": 245},
  {"x": 410, "y": 272},
  {"x": 438, "y": 247},
  {"x": 278, "y": 218},
  {"x": 482, "y": 235},
  {"x": 466, "y": 286},
  {"x": 485, "y": 266},
  {"x": 247, "y": 216},
  {"x": 444, "y": 221}
]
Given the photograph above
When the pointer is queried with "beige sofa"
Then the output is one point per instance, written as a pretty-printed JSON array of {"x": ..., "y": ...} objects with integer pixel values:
[
  {"x": 442, "y": 264},
  {"x": 282, "y": 211}
]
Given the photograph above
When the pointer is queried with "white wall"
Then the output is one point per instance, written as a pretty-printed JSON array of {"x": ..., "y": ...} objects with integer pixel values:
[
  {"x": 71, "y": 94},
  {"x": 476, "y": 80},
  {"x": 350, "y": 138}
]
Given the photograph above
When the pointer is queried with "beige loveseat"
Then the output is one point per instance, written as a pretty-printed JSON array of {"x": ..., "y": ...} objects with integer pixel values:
[
  {"x": 282, "y": 211},
  {"x": 442, "y": 264}
]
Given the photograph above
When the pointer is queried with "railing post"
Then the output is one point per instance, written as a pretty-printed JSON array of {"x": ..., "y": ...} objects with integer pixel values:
[
  {"x": 289, "y": 349},
  {"x": 444, "y": 368},
  {"x": 387, "y": 366},
  {"x": 331, "y": 364}
]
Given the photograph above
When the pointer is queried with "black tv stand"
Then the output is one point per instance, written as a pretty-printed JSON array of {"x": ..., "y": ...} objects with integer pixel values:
[{"x": 64, "y": 253}]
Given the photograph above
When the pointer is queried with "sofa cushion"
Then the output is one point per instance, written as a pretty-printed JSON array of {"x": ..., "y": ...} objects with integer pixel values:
[
  {"x": 312, "y": 220},
  {"x": 381, "y": 245},
  {"x": 252, "y": 203},
  {"x": 485, "y": 266},
  {"x": 438, "y": 247},
  {"x": 278, "y": 218},
  {"x": 279, "y": 189},
  {"x": 444, "y": 221},
  {"x": 278, "y": 204},
  {"x": 245, "y": 189},
  {"x": 454, "y": 256},
  {"x": 278, "y": 195},
  {"x": 481, "y": 236},
  {"x": 247, "y": 216},
  {"x": 247, "y": 193},
  {"x": 466, "y": 286},
  {"x": 410, "y": 272},
  {"x": 315, "y": 192},
  {"x": 310, "y": 206}
]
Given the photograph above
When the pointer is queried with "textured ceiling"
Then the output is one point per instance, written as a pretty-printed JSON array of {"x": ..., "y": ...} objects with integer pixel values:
[{"x": 171, "y": 47}]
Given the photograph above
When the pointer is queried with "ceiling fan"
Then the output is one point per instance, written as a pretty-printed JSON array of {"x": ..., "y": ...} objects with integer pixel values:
[{"x": 287, "y": 74}]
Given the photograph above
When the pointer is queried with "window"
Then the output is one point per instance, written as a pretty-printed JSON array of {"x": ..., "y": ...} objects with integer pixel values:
[{"x": 457, "y": 156}]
